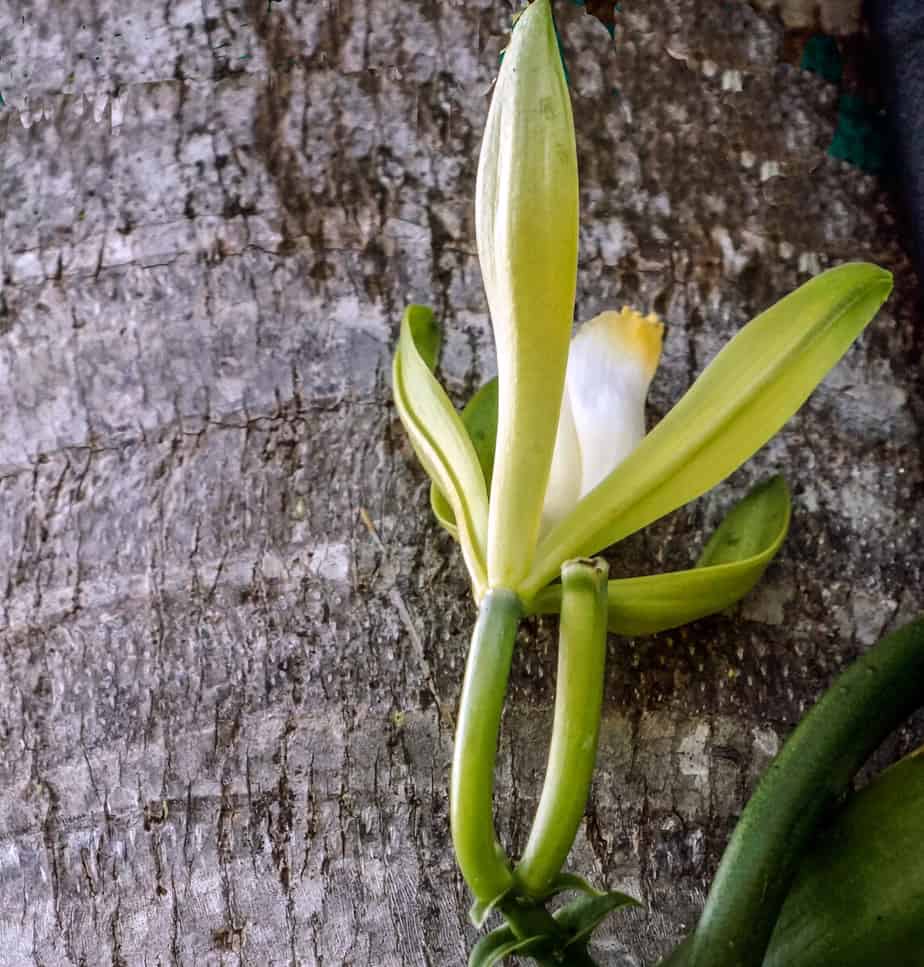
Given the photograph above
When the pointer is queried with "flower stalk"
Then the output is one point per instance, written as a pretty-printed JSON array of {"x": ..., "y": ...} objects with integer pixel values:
[
  {"x": 576, "y": 726},
  {"x": 471, "y": 800}
]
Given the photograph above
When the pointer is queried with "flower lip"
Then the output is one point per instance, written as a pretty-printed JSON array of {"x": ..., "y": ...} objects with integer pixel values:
[
  {"x": 611, "y": 363},
  {"x": 743, "y": 397},
  {"x": 638, "y": 337}
]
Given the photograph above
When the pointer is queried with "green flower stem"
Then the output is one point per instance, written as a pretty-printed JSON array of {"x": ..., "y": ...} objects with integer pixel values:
[
  {"x": 867, "y": 702},
  {"x": 480, "y": 857},
  {"x": 573, "y": 750}
]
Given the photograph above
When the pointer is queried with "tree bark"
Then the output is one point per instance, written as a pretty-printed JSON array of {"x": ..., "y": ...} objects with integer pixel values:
[{"x": 231, "y": 635}]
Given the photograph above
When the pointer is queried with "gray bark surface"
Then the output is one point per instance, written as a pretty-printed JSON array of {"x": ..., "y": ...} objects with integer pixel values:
[{"x": 231, "y": 635}]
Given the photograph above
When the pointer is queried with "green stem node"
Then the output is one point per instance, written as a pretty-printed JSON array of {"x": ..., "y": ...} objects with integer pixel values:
[{"x": 531, "y": 919}]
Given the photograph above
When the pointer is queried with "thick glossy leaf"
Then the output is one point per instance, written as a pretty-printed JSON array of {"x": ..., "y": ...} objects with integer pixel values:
[
  {"x": 443, "y": 446},
  {"x": 480, "y": 419},
  {"x": 755, "y": 529},
  {"x": 744, "y": 396},
  {"x": 501, "y": 943},
  {"x": 815, "y": 767},
  {"x": 582, "y": 916},
  {"x": 858, "y": 897},
  {"x": 526, "y": 224}
]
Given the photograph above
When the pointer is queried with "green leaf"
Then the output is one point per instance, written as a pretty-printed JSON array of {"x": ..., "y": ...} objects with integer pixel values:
[
  {"x": 480, "y": 419},
  {"x": 815, "y": 767},
  {"x": 744, "y": 396},
  {"x": 754, "y": 529},
  {"x": 426, "y": 333},
  {"x": 582, "y": 916},
  {"x": 443, "y": 446},
  {"x": 858, "y": 896},
  {"x": 570, "y": 881},
  {"x": 480, "y": 911},
  {"x": 501, "y": 943}
]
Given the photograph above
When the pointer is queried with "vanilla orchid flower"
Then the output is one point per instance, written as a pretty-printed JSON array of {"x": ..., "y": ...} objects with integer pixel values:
[
  {"x": 550, "y": 463},
  {"x": 611, "y": 362}
]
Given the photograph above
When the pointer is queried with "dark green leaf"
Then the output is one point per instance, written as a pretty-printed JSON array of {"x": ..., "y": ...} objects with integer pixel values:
[
  {"x": 488, "y": 945},
  {"x": 815, "y": 766}
]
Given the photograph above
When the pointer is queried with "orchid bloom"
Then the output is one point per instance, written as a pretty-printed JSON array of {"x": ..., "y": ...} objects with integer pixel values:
[
  {"x": 543, "y": 467},
  {"x": 550, "y": 463}
]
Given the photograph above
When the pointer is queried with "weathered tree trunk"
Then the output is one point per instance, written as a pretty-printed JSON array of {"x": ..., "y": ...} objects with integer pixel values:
[{"x": 232, "y": 636}]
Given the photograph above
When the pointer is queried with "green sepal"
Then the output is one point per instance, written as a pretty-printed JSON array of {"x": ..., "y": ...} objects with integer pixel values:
[
  {"x": 426, "y": 333},
  {"x": 480, "y": 419},
  {"x": 442, "y": 443},
  {"x": 754, "y": 529},
  {"x": 757, "y": 522},
  {"x": 501, "y": 943},
  {"x": 526, "y": 228},
  {"x": 582, "y": 916}
]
